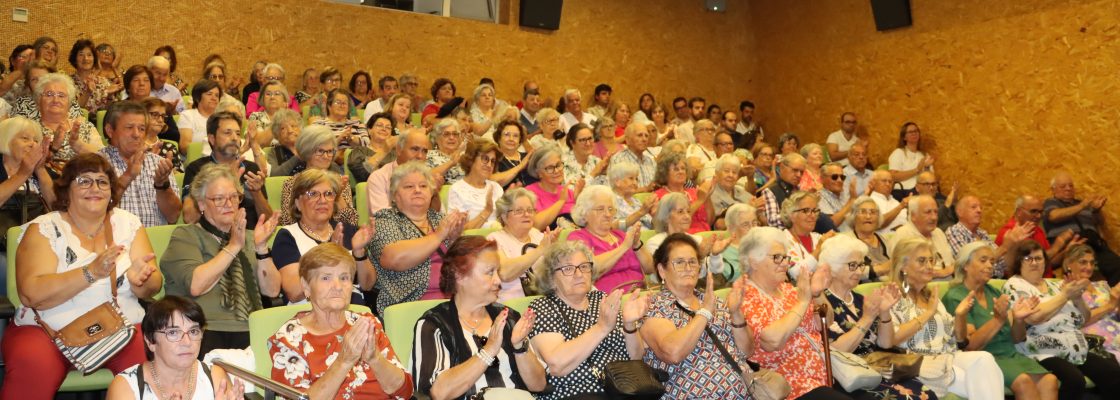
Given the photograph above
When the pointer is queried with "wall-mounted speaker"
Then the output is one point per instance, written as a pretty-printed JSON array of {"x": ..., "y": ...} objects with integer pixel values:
[
  {"x": 891, "y": 14},
  {"x": 541, "y": 14}
]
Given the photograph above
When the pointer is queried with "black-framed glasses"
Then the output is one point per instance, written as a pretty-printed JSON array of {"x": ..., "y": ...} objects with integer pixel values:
[
  {"x": 586, "y": 140},
  {"x": 552, "y": 169},
  {"x": 808, "y": 210},
  {"x": 1033, "y": 259},
  {"x": 570, "y": 270},
  {"x": 176, "y": 334},
  {"x": 219, "y": 201},
  {"x": 522, "y": 211},
  {"x": 85, "y": 182},
  {"x": 858, "y": 265},
  {"x": 326, "y": 152},
  {"x": 157, "y": 115},
  {"x": 838, "y": 177}
]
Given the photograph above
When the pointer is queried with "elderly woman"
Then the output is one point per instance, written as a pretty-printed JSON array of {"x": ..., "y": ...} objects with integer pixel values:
[
  {"x": 688, "y": 332},
  {"x": 863, "y": 224},
  {"x": 447, "y": 137},
  {"x": 619, "y": 260},
  {"x": 469, "y": 344},
  {"x": 219, "y": 264},
  {"x": 623, "y": 178},
  {"x": 1054, "y": 336},
  {"x": 672, "y": 174},
  {"x": 788, "y": 143},
  {"x": 400, "y": 108},
  {"x": 483, "y": 108},
  {"x": 924, "y": 326},
  {"x": 510, "y": 137},
  {"x": 285, "y": 129},
  {"x": 313, "y": 208},
  {"x": 349, "y": 132},
  {"x": 26, "y": 189},
  {"x": 411, "y": 238},
  {"x": 799, "y": 214},
  {"x": 443, "y": 90},
  {"x": 580, "y": 329},
  {"x": 554, "y": 198},
  {"x": 764, "y": 163},
  {"x": 68, "y": 263},
  {"x": 172, "y": 330},
  {"x": 725, "y": 188},
  {"x": 782, "y": 317},
  {"x": 476, "y": 194},
  {"x": 309, "y": 86},
  {"x": 156, "y": 126},
  {"x": 108, "y": 63},
  {"x": 192, "y": 123},
  {"x": 741, "y": 218},
  {"x": 814, "y": 158},
  {"x": 994, "y": 326},
  {"x": 366, "y": 159},
  {"x": 579, "y": 162},
  {"x": 68, "y": 136},
  {"x": 520, "y": 243},
  {"x": 548, "y": 121},
  {"x": 672, "y": 217},
  {"x": 607, "y": 141},
  {"x": 94, "y": 92},
  {"x": 860, "y": 324},
  {"x": 330, "y": 351},
  {"x": 1080, "y": 263},
  {"x": 361, "y": 89},
  {"x": 316, "y": 150},
  {"x": 274, "y": 98},
  {"x": 619, "y": 112},
  {"x": 908, "y": 160}
]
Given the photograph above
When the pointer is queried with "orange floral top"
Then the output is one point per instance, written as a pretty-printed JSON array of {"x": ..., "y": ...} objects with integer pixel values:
[{"x": 801, "y": 360}]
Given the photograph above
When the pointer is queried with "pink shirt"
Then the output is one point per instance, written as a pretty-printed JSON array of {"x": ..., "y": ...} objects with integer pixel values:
[
  {"x": 547, "y": 199},
  {"x": 252, "y": 106},
  {"x": 433, "y": 292},
  {"x": 625, "y": 274},
  {"x": 699, "y": 219}
]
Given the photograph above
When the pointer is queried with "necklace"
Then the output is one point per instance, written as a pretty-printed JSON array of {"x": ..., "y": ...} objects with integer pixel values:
[
  {"x": 83, "y": 231},
  {"x": 472, "y": 326},
  {"x": 315, "y": 237},
  {"x": 159, "y": 386}
]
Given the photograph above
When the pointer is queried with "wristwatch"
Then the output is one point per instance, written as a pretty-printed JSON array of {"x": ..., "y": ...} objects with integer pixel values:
[{"x": 164, "y": 187}]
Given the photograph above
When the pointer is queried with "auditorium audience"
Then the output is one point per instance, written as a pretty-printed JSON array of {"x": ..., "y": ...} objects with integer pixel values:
[
  {"x": 1065, "y": 212},
  {"x": 908, "y": 160},
  {"x": 620, "y": 261},
  {"x": 94, "y": 91},
  {"x": 1081, "y": 263},
  {"x": 223, "y": 131},
  {"x": 1028, "y": 214},
  {"x": 145, "y": 178}
]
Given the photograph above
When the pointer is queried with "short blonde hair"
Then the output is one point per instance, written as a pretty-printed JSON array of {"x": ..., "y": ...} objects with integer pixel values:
[{"x": 11, "y": 127}]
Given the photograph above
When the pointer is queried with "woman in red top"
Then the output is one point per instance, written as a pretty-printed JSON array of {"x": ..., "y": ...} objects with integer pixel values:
[{"x": 672, "y": 176}]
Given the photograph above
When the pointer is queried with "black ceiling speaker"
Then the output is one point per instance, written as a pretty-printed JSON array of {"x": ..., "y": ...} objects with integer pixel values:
[
  {"x": 891, "y": 14},
  {"x": 541, "y": 14}
]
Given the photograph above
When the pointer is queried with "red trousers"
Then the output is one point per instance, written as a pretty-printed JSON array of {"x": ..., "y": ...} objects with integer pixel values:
[{"x": 34, "y": 368}]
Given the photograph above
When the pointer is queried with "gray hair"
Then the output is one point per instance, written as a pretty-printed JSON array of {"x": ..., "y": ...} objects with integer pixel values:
[
  {"x": 158, "y": 61},
  {"x": 304, "y": 181},
  {"x": 227, "y": 102},
  {"x": 757, "y": 243},
  {"x": 728, "y": 159},
  {"x": 11, "y": 127},
  {"x": 586, "y": 201},
  {"x": 283, "y": 90},
  {"x": 402, "y": 140},
  {"x": 665, "y": 207},
  {"x": 916, "y": 203},
  {"x": 826, "y": 166},
  {"x": 505, "y": 203},
  {"x": 406, "y": 169},
  {"x": 735, "y": 214},
  {"x": 793, "y": 157},
  {"x": 621, "y": 170},
  {"x": 790, "y": 204},
  {"x": 836, "y": 251},
  {"x": 808, "y": 148},
  {"x": 274, "y": 66},
  {"x": 553, "y": 256},
  {"x": 538, "y": 157},
  {"x": 672, "y": 144},
  {"x": 572, "y": 91},
  {"x": 478, "y": 93},
  {"x": 59, "y": 78},
  {"x": 850, "y": 220},
  {"x": 310, "y": 138},
  {"x": 965, "y": 256},
  {"x": 437, "y": 131},
  {"x": 210, "y": 174},
  {"x": 283, "y": 117},
  {"x": 546, "y": 113}
]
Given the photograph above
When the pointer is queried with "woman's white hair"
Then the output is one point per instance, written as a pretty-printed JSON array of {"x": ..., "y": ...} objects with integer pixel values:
[
  {"x": 622, "y": 170},
  {"x": 737, "y": 212},
  {"x": 837, "y": 250},
  {"x": 665, "y": 207},
  {"x": 757, "y": 244},
  {"x": 850, "y": 220},
  {"x": 791, "y": 204},
  {"x": 11, "y": 127},
  {"x": 586, "y": 201},
  {"x": 437, "y": 131},
  {"x": 60, "y": 78},
  {"x": 727, "y": 159}
]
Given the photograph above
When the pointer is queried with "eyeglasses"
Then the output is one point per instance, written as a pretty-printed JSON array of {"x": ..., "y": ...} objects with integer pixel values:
[
  {"x": 334, "y": 80},
  {"x": 273, "y": 78},
  {"x": 176, "y": 334},
  {"x": 928, "y": 184},
  {"x": 812, "y": 211},
  {"x": 340, "y": 103},
  {"x": 608, "y": 210},
  {"x": 858, "y": 265},
  {"x": 486, "y": 160},
  {"x": 383, "y": 126},
  {"x": 219, "y": 201},
  {"x": 1034, "y": 212},
  {"x": 867, "y": 211},
  {"x": 523, "y": 211},
  {"x": 217, "y": 77},
  {"x": 586, "y": 140},
  {"x": 87, "y": 182},
  {"x": 157, "y": 115},
  {"x": 315, "y": 195},
  {"x": 570, "y": 270},
  {"x": 780, "y": 258},
  {"x": 928, "y": 262},
  {"x": 55, "y": 95},
  {"x": 1033, "y": 259},
  {"x": 725, "y": 144},
  {"x": 838, "y": 177},
  {"x": 450, "y": 134},
  {"x": 552, "y": 169},
  {"x": 748, "y": 224},
  {"x": 325, "y": 152},
  {"x": 1088, "y": 263},
  {"x": 685, "y": 264}
]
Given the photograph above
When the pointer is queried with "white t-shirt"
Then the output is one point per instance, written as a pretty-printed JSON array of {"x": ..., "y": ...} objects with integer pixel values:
[
  {"x": 842, "y": 143},
  {"x": 567, "y": 120},
  {"x": 193, "y": 120},
  {"x": 203, "y": 388},
  {"x": 372, "y": 107},
  {"x": 464, "y": 197},
  {"x": 887, "y": 203},
  {"x": 903, "y": 159},
  {"x": 512, "y": 248}
]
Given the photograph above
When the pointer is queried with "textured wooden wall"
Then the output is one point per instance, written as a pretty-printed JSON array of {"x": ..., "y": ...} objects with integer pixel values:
[
  {"x": 1006, "y": 92},
  {"x": 666, "y": 47}
]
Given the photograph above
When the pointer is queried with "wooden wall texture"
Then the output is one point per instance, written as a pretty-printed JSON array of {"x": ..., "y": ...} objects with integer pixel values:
[
  {"x": 666, "y": 47},
  {"x": 1006, "y": 92}
]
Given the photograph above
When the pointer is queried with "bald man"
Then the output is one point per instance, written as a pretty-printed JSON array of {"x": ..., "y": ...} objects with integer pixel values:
[
  {"x": 928, "y": 186},
  {"x": 893, "y": 212},
  {"x": 1065, "y": 212},
  {"x": 967, "y": 230},
  {"x": 1028, "y": 215}
]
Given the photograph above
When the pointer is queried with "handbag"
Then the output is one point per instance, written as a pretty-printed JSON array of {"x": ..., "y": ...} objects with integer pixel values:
[
  {"x": 764, "y": 384},
  {"x": 853, "y": 372},
  {"x": 895, "y": 367},
  {"x": 93, "y": 338}
]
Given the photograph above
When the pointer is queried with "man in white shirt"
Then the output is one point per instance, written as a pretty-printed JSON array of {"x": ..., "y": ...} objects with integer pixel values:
[
  {"x": 923, "y": 225},
  {"x": 747, "y": 131},
  {"x": 702, "y": 152},
  {"x": 414, "y": 146},
  {"x": 893, "y": 212},
  {"x": 573, "y": 107},
  {"x": 602, "y": 101},
  {"x": 161, "y": 70},
  {"x": 840, "y": 141},
  {"x": 389, "y": 87},
  {"x": 696, "y": 107},
  {"x": 857, "y": 169},
  {"x": 835, "y": 201},
  {"x": 530, "y": 104}
]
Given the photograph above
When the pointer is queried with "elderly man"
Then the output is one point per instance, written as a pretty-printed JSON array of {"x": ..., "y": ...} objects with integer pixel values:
[
  {"x": 414, "y": 146},
  {"x": 835, "y": 201},
  {"x": 927, "y": 186},
  {"x": 161, "y": 70},
  {"x": 637, "y": 152},
  {"x": 789, "y": 175},
  {"x": 223, "y": 132},
  {"x": 968, "y": 230},
  {"x": 749, "y": 131},
  {"x": 388, "y": 87},
  {"x": 1028, "y": 214},
  {"x": 530, "y": 104},
  {"x": 858, "y": 169},
  {"x": 841, "y": 141},
  {"x": 923, "y": 225},
  {"x": 602, "y": 101},
  {"x": 1065, "y": 212},
  {"x": 148, "y": 190},
  {"x": 893, "y": 212},
  {"x": 271, "y": 73},
  {"x": 573, "y": 111}
]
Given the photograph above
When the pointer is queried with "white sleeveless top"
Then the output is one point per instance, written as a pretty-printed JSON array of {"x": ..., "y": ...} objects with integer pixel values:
[
  {"x": 66, "y": 247},
  {"x": 203, "y": 389}
]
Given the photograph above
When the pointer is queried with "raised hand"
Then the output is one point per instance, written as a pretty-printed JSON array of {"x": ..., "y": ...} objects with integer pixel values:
[
  {"x": 237, "y": 231},
  {"x": 804, "y": 290},
  {"x": 32, "y": 161},
  {"x": 735, "y": 299},
  {"x": 1001, "y": 306},
  {"x": 488, "y": 208},
  {"x": 1073, "y": 289},
  {"x": 371, "y": 354},
  {"x": 254, "y": 181},
  {"x": 363, "y": 236},
  {"x": 550, "y": 237},
  {"x": 706, "y": 245},
  {"x": 580, "y": 184},
  {"x": 608, "y": 309},
  {"x": 229, "y": 389},
  {"x": 635, "y": 307},
  {"x": 820, "y": 280},
  {"x": 336, "y": 235},
  {"x": 709, "y": 294},
  {"x": 719, "y": 245},
  {"x": 264, "y": 228},
  {"x": 497, "y": 332},
  {"x": 140, "y": 270},
  {"x": 633, "y": 234},
  {"x": 1025, "y": 308},
  {"x": 873, "y": 302},
  {"x": 163, "y": 170},
  {"x": 890, "y": 296},
  {"x": 105, "y": 262},
  {"x": 355, "y": 341}
]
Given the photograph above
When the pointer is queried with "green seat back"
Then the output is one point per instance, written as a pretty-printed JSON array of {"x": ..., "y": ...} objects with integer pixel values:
[
  {"x": 13, "y": 239},
  {"x": 346, "y": 168},
  {"x": 101, "y": 122},
  {"x": 480, "y": 232},
  {"x": 642, "y": 197},
  {"x": 264, "y": 323},
  {"x": 722, "y": 293},
  {"x": 361, "y": 203},
  {"x": 444, "y": 192},
  {"x": 194, "y": 152},
  {"x": 520, "y": 304},
  {"x": 646, "y": 234},
  {"x": 400, "y": 325},
  {"x": 273, "y": 185},
  {"x": 415, "y": 119}
]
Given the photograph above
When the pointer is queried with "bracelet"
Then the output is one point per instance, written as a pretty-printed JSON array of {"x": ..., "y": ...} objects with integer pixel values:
[
  {"x": 265, "y": 255},
  {"x": 362, "y": 258},
  {"x": 485, "y": 357},
  {"x": 704, "y": 313},
  {"x": 640, "y": 244},
  {"x": 637, "y": 325},
  {"x": 230, "y": 252},
  {"x": 889, "y": 320},
  {"x": 522, "y": 349},
  {"x": 85, "y": 273},
  {"x": 739, "y": 325}
]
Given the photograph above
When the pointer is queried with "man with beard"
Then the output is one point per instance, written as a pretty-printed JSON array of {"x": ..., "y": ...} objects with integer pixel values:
[
  {"x": 148, "y": 190},
  {"x": 223, "y": 131}
]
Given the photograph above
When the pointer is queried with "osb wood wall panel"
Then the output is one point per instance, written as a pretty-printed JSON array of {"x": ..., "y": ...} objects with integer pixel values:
[
  {"x": 666, "y": 47},
  {"x": 1006, "y": 92}
]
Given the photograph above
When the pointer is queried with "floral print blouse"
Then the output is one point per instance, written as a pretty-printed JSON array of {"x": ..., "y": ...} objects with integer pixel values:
[{"x": 1059, "y": 336}]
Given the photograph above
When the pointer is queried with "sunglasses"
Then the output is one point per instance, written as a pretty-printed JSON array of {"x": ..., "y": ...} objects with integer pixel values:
[{"x": 838, "y": 177}]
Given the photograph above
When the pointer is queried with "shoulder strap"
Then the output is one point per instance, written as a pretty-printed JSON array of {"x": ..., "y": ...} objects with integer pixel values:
[
  {"x": 140, "y": 381},
  {"x": 567, "y": 321},
  {"x": 715, "y": 342},
  {"x": 206, "y": 370}
]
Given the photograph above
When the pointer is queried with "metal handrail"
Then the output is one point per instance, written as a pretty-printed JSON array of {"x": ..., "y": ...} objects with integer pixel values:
[{"x": 271, "y": 388}]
